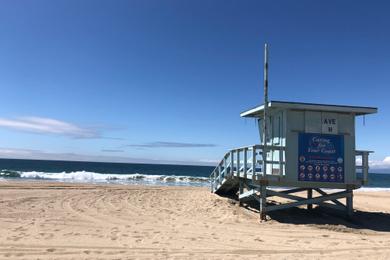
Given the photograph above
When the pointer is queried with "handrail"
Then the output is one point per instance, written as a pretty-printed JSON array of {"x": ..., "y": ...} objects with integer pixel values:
[
  {"x": 260, "y": 146},
  {"x": 244, "y": 161},
  {"x": 233, "y": 164},
  {"x": 224, "y": 157},
  {"x": 251, "y": 147}
]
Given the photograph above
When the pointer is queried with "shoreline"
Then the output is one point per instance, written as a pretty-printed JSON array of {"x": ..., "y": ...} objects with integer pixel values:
[
  {"x": 200, "y": 184},
  {"x": 60, "y": 220}
]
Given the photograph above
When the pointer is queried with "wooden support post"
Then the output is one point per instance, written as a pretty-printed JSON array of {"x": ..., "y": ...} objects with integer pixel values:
[
  {"x": 349, "y": 203},
  {"x": 309, "y": 196},
  {"x": 263, "y": 202},
  {"x": 365, "y": 167}
]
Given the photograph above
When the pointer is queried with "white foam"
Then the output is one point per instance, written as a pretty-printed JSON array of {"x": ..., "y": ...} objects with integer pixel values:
[
  {"x": 372, "y": 189},
  {"x": 94, "y": 177},
  {"x": 85, "y": 176}
]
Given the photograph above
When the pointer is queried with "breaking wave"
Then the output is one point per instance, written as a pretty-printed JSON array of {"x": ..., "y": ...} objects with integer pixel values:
[
  {"x": 363, "y": 189},
  {"x": 94, "y": 177}
]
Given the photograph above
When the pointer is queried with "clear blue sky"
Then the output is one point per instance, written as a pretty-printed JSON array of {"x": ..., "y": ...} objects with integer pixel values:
[{"x": 166, "y": 80}]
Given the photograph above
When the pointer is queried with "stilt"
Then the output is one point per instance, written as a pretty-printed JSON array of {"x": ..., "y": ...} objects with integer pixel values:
[
  {"x": 263, "y": 202},
  {"x": 309, "y": 196},
  {"x": 349, "y": 202}
]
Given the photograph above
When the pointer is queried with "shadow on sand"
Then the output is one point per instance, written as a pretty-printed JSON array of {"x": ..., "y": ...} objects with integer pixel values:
[{"x": 326, "y": 218}]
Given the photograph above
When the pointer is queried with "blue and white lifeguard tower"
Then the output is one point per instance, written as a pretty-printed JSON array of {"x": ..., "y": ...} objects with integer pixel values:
[{"x": 304, "y": 147}]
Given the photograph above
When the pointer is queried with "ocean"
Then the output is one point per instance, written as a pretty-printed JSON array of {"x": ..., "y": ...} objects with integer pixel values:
[
  {"x": 126, "y": 173},
  {"x": 102, "y": 172}
]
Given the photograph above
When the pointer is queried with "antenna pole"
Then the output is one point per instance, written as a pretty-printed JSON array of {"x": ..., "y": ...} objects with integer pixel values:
[{"x": 265, "y": 128}]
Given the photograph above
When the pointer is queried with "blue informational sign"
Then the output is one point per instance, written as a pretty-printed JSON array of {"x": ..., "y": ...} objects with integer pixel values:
[{"x": 321, "y": 157}]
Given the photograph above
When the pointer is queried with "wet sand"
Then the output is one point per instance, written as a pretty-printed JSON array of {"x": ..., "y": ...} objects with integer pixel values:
[{"x": 41, "y": 220}]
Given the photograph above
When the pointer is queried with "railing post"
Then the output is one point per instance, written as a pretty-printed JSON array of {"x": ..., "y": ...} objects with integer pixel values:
[
  {"x": 232, "y": 162},
  {"x": 238, "y": 163},
  {"x": 214, "y": 180},
  {"x": 254, "y": 163},
  {"x": 280, "y": 161},
  {"x": 245, "y": 161},
  {"x": 225, "y": 164},
  {"x": 284, "y": 160},
  {"x": 220, "y": 174}
]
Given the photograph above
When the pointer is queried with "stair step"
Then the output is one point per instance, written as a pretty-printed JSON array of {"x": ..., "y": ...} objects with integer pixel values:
[{"x": 247, "y": 194}]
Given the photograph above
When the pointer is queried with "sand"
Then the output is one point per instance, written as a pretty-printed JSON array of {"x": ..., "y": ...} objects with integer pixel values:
[{"x": 40, "y": 220}]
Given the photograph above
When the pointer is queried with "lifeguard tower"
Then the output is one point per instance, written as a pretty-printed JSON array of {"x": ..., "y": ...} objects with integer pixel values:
[{"x": 304, "y": 147}]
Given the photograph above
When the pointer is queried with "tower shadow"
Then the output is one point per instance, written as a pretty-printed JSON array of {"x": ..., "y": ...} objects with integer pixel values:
[{"x": 326, "y": 218}]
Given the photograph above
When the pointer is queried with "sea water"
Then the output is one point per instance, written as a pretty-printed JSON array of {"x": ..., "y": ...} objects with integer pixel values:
[
  {"x": 127, "y": 173},
  {"x": 101, "y": 172}
]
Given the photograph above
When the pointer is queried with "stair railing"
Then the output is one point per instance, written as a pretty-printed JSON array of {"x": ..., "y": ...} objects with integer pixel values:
[{"x": 246, "y": 162}]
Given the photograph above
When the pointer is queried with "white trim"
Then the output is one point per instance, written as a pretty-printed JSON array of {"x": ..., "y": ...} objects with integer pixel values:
[{"x": 255, "y": 112}]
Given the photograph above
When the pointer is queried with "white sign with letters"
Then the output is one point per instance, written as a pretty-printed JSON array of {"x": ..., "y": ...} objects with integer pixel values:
[{"x": 329, "y": 123}]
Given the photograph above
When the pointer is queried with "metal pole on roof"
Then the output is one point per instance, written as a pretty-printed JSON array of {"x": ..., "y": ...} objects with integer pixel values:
[{"x": 265, "y": 129}]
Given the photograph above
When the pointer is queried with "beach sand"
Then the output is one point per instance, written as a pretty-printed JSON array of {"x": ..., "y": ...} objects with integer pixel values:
[{"x": 41, "y": 220}]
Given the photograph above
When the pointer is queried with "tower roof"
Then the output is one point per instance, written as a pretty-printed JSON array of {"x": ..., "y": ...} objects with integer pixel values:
[{"x": 358, "y": 111}]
